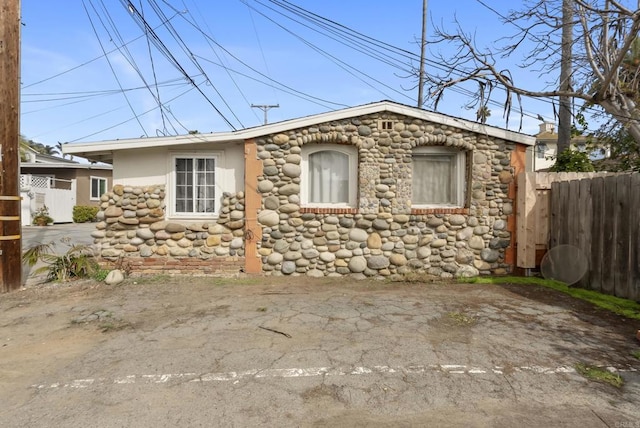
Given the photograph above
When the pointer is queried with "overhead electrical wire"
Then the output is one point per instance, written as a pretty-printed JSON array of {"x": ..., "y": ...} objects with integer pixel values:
[
  {"x": 284, "y": 88},
  {"x": 114, "y": 33},
  {"x": 155, "y": 79},
  {"x": 215, "y": 52},
  {"x": 348, "y": 34},
  {"x": 191, "y": 88},
  {"x": 189, "y": 53},
  {"x": 208, "y": 37},
  {"x": 112, "y": 69},
  {"x": 142, "y": 22},
  {"x": 264, "y": 59},
  {"x": 380, "y": 51},
  {"x": 159, "y": 44}
]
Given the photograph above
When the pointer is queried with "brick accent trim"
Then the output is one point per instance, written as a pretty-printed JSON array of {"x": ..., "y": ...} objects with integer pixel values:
[
  {"x": 329, "y": 210},
  {"x": 176, "y": 266},
  {"x": 423, "y": 211}
]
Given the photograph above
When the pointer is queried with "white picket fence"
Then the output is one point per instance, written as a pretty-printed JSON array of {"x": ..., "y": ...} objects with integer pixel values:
[{"x": 58, "y": 195}]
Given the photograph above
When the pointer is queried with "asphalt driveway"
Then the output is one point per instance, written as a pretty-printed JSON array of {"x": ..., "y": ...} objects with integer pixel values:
[
  {"x": 166, "y": 352},
  {"x": 79, "y": 233}
]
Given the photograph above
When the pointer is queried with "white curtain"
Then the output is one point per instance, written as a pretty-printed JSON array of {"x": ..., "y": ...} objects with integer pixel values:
[
  {"x": 328, "y": 177},
  {"x": 433, "y": 179}
]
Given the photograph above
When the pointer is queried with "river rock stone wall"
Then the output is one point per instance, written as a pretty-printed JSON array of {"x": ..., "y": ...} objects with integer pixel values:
[
  {"x": 131, "y": 223},
  {"x": 383, "y": 235}
]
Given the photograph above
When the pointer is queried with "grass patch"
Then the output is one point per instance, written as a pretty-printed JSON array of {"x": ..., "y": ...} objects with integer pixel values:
[
  {"x": 636, "y": 354},
  {"x": 461, "y": 319},
  {"x": 151, "y": 279},
  {"x": 625, "y": 307},
  {"x": 598, "y": 374},
  {"x": 246, "y": 280},
  {"x": 100, "y": 275}
]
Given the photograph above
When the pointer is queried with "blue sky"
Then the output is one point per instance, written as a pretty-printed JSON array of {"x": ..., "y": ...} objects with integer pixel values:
[{"x": 70, "y": 92}]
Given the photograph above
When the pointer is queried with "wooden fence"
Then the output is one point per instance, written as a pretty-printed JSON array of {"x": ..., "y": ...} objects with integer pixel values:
[
  {"x": 533, "y": 213},
  {"x": 599, "y": 216},
  {"x": 595, "y": 212}
]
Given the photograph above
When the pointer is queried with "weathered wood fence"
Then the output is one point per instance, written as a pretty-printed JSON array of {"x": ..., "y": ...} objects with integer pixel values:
[
  {"x": 600, "y": 217},
  {"x": 597, "y": 213}
]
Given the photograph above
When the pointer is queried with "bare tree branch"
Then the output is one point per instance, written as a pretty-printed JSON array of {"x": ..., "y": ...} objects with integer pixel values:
[{"x": 604, "y": 35}]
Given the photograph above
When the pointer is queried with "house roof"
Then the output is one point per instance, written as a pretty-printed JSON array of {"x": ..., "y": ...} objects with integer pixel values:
[
  {"x": 103, "y": 151},
  {"x": 61, "y": 165},
  {"x": 552, "y": 138}
]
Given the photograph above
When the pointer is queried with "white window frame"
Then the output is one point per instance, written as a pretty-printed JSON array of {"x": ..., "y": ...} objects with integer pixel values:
[
  {"x": 541, "y": 150},
  {"x": 170, "y": 206},
  {"x": 99, "y": 179},
  {"x": 461, "y": 176},
  {"x": 352, "y": 155}
]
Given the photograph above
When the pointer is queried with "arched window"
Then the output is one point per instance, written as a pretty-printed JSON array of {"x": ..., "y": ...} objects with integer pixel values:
[{"x": 329, "y": 175}]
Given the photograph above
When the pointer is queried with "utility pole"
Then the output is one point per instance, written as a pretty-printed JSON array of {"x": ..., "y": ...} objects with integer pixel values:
[
  {"x": 564, "y": 112},
  {"x": 423, "y": 45},
  {"x": 265, "y": 108},
  {"x": 10, "y": 228}
]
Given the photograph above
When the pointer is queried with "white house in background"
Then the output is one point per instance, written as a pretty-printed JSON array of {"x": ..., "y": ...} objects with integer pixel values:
[
  {"x": 546, "y": 148},
  {"x": 60, "y": 184}
]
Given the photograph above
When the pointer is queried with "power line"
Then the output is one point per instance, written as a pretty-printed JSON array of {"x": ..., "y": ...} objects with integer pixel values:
[{"x": 112, "y": 69}]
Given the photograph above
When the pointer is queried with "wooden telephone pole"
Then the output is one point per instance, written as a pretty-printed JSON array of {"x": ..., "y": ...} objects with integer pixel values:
[
  {"x": 10, "y": 228},
  {"x": 423, "y": 46}
]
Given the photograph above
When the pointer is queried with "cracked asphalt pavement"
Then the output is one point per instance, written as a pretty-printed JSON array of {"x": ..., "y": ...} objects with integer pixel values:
[{"x": 165, "y": 352}]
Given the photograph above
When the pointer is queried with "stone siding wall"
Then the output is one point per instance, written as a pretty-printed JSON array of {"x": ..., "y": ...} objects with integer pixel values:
[
  {"x": 379, "y": 237},
  {"x": 383, "y": 236},
  {"x": 131, "y": 224}
]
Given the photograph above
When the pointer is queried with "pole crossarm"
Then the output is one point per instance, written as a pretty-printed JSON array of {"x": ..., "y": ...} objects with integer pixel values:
[{"x": 265, "y": 108}]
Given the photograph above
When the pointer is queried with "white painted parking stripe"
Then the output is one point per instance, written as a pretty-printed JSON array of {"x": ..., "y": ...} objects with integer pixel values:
[{"x": 236, "y": 376}]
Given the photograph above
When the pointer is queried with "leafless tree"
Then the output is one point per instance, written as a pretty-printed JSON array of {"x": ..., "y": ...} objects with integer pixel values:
[{"x": 605, "y": 33}]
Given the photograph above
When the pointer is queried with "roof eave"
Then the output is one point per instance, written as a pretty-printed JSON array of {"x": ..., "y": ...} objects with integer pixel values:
[{"x": 103, "y": 151}]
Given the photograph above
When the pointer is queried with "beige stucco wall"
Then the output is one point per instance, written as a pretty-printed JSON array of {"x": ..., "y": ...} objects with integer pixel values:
[
  {"x": 83, "y": 183},
  {"x": 150, "y": 167},
  {"x": 140, "y": 167}
]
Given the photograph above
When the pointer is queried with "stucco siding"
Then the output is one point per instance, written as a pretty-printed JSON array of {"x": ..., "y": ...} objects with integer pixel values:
[{"x": 147, "y": 167}]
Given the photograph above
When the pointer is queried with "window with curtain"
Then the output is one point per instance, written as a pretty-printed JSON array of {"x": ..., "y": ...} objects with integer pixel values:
[
  {"x": 194, "y": 184},
  {"x": 329, "y": 176},
  {"x": 98, "y": 187},
  {"x": 438, "y": 177}
]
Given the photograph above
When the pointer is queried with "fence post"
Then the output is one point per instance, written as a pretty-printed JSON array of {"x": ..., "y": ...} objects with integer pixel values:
[
  {"x": 634, "y": 233},
  {"x": 623, "y": 237}
]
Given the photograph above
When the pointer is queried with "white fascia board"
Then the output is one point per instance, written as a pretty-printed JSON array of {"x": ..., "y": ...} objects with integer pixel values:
[
  {"x": 32, "y": 165},
  {"x": 108, "y": 147}
]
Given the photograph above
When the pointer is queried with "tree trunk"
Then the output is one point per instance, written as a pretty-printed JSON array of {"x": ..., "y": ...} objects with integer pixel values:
[{"x": 564, "y": 113}]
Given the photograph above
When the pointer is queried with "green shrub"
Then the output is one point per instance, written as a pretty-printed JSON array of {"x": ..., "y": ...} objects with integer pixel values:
[
  {"x": 84, "y": 213},
  {"x": 572, "y": 161},
  {"x": 76, "y": 262}
]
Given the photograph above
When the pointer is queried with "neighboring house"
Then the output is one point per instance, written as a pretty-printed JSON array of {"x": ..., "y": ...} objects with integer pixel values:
[
  {"x": 546, "y": 147},
  {"x": 60, "y": 184},
  {"x": 375, "y": 190}
]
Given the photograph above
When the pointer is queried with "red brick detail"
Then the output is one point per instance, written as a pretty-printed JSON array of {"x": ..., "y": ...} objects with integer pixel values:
[
  {"x": 424, "y": 211},
  {"x": 329, "y": 210},
  {"x": 178, "y": 266}
]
